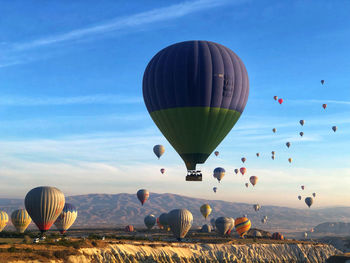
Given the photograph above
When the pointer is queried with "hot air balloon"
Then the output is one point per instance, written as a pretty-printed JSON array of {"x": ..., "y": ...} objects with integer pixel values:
[
  {"x": 302, "y": 187},
  {"x": 150, "y": 221},
  {"x": 236, "y": 171},
  {"x": 322, "y": 82},
  {"x": 219, "y": 173},
  {"x": 195, "y": 91},
  {"x": 180, "y": 222},
  {"x": 243, "y": 159},
  {"x": 162, "y": 170},
  {"x": 275, "y": 97},
  {"x": 263, "y": 220},
  {"x": 44, "y": 204},
  {"x": 216, "y": 153},
  {"x": 206, "y": 228},
  {"x": 301, "y": 134},
  {"x": 163, "y": 219},
  {"x": 274, "y": 130},
  {"x": 302, "y": 122},
  {"x": 277, "y": 236},
  {"x": 67, "y": 218},
  {"x": 334, "y": 128},
  {"x": 324, "y": 106},
  {"x": 20, "y": 220},
  {"x": 309, "y": 201},
  {"x": 4, "y": 218},
  {"x": 243, "y": 170},
  {"x": 280, "y": 101},
  {"x": 142, "y": 195},
  {"x": 305, "y": 235},
  {"x": 205, "y": 210},
  {"x": 232, "y": 225},
  {"x": 158, "y": 150},
  {"x": 257, "y": 154},
  {"x": 159, "y": 224},
  {"x": 129, "y": 228},
  {"x": 242, "y": 225},
  {"x": 253, "y": 180},
  {"x": 290, "y": 160},
  {"x": 265, "y": 217},
  {"x": 299, "y": 197},
  {"x": 314, "y": 194},
  {"x": 246, "y": 185},
  {"x": 256, "y": 207},
  {"x": 273, "y": 157},
  {"x": 215, "y": 189},
  {"x": 223, "y": 225},
  {"x": 212, "y": 222},
  {"x": 288, "y": 144}
]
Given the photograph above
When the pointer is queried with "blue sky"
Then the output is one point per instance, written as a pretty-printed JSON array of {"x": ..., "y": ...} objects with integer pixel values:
[{"x": 72, "y": 113}]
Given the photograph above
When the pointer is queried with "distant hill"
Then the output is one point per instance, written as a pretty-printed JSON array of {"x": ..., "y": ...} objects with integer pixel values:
[
  {"x": 107, "y": 210},
  {"x": 333, "y": 228}
]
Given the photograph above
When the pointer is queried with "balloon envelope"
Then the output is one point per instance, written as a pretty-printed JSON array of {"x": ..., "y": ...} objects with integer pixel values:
[
  {"x": 243, "y": 170},
  {"x": 180, "y": 222},
  {"x": 322, "y": 82},
  {"x": 215, "y": 189},
  {"x": 67, "y": 218},
  {"x": 309, "y": 201},
  {"x": 299, "y": 197},
  {"x": 256, "y": 207},
  {"x": 277, "y": 236},
  {"x": 274, "y": 130},
  {"x": 219, "y": 173},
  {"x": 205, "y": 210},
  {"x": 150, "y": 221},
  {"x": 4, "y": 218},
  {"x": 44, "y": 204},
  {"x": 243, "y": 159},
  {"x": 253, "y": 180},
  {"x": 20, "y": 220},
  {"x": 216, "y": 153},
  {"x": 275, "y": 97},
  {"x": 288, "y": 144},
  {"x": 195, "y": 92},
  {"x": 163, "y": 219},
  {"x": 257, "y": 154},
  {"x": 314, "y": 194},
  {"x": 242, "y": 225},
  {"x": 162, "y": 170},
  {"x": 290, "y": 160},
  {"x": 223, "y": 225},
  {"x": 142, "y": 195},
  {"x": 324, "y": 106},
  {"x": 334, "y": 128},
  {"x": 280, "y": 101},
  {"x": 206, "y": 228},
  {"x": 301, "y": 134},
  {"x": 236, "y": 171},
  {"x": 158, "y": 150},
  {"x": 302, "y": 122},
  {"x": 246, "y": 185}
]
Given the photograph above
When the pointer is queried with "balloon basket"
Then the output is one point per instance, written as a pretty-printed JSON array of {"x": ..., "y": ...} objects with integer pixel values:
[{"x": 194, "y": 176}]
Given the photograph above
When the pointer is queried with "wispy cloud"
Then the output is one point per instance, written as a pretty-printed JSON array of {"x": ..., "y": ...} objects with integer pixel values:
[
  {"x": 89, "y": 99},
  {"x": 340, "y": 102}
]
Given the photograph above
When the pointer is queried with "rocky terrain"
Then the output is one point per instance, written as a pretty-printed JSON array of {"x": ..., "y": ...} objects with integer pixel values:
[{"x": 106, "y": 210}]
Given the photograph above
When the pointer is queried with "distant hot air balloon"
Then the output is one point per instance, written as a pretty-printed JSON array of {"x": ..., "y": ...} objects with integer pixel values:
[
  {"x": 162, "y": 170},
  {"x": 242, "y": 225},
  {"x": 274, "y": 130},
  {"x": 205, "y": 210},
  {"x": 142, "y": 195},
  {"x": 314, "y": 194},
  {"x": 273, "y": 152},
  {"x": 219, "y": 173},
  {"x": 243, "y": 159},
  {"x": 150, "y": 221},
  {"x": 288, "y": 144},
  {"x": 223, "y": 225},
  {"x": 246, "y": 185},
  {"x": 256, "y": 207},
  {"x": 158, "y": 150},
  {"x": 206, "y": 228},
  {"x": 324, "y": 106},
  {"x": 216, "y": 153},
  {"x": 273, "y": 157},
  {"x": 280, "y": 101},
  {"x": 302, "y": 187},
  {"x": 277, "y": 236},
  {"x": 305, "y": 235},
  {"x": 299, "y": 197},
  {"x": 265, "y": 217},
  {"x": 322, "y": 82},
  {"x": 263, "y": 220},
  {"x": 195, "y": 80},
  {"x": 20, "y": 220},
  {"x": 302, "y": 122},
  {"x": 129, "y": 228},
  {"x": 4, "y": 218},
  {"x": 312, "y": 230},
  {"x": 44, "y": 204},
  {"x": 236, "y": 171},
  {"x": 243, "y": 170},
  {"x": 334, "y": 128},
  {"x": 215, "y": 189},
  {"x": 257, "y": 154},
  {"x": 67, "y": 218},
  {"x": 253, "y": 180},
  {"x": 309, "y": 201},
  {"x": 163, "y": 220},
  {"x": 275, "y": 97},
  {"x": 290, "y": 160},
  {"x": 301, "y": 134},
  {"x": 180, "y": 222}
]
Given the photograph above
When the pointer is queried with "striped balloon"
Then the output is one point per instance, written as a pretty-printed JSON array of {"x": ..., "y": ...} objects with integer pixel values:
[
  {"x": 242, "y": 225},
  {"x": 20, "y": 219},
  {"x": 277, "y": 236},
  {"x": 44, "y": 204},
  {"x": 180, "y": 222},
  {"x": 4, "y": 218},
  {"x": 129, "y": 228},
  {"x": 142, "y": 195},
  {"x": 66, "y": 218}
]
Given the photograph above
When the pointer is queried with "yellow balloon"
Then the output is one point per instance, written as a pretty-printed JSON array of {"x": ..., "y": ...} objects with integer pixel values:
[{"x": 205, "y": 210}]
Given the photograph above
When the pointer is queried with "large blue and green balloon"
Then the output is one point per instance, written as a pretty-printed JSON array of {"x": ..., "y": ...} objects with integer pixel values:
[{"x": 195, "y": 91}]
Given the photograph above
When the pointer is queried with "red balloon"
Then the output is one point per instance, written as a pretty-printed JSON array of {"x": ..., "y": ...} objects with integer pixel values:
[
  {"x": 243, "y": 170},
  {"x": 280, "y": 101},
  {"x": 324, "y": 106}
]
